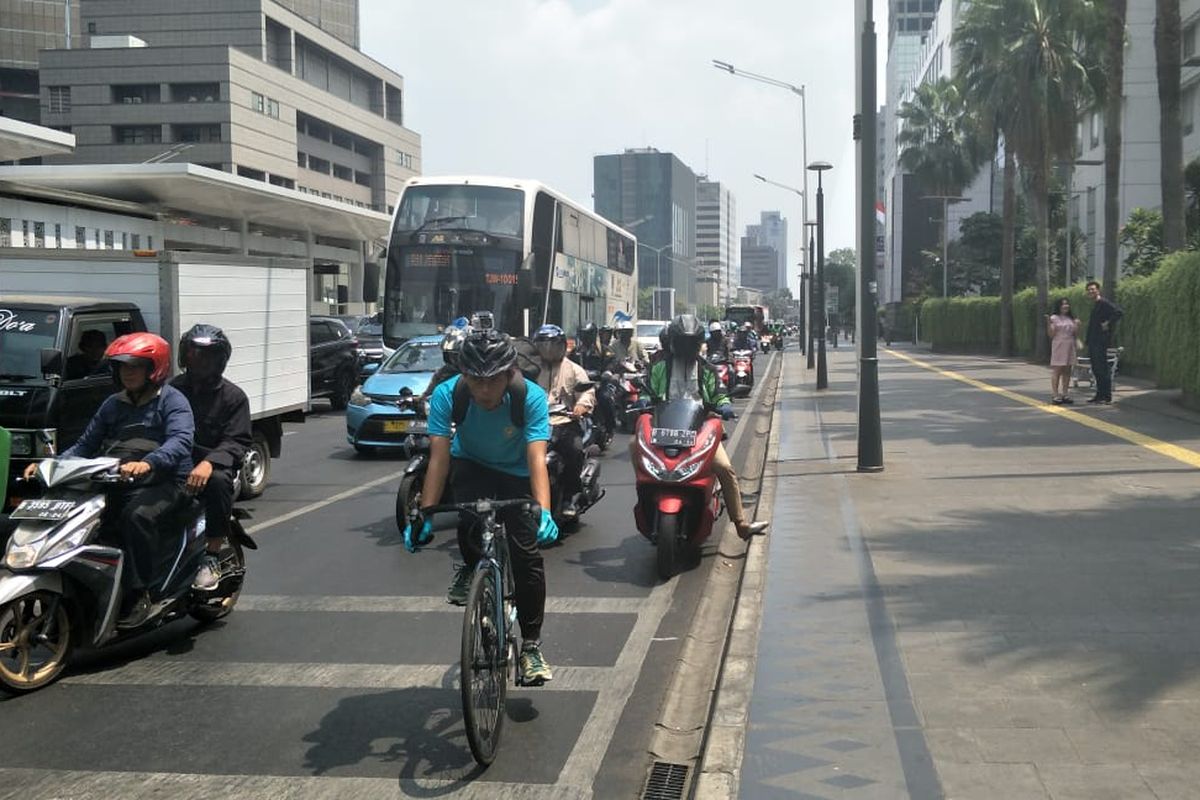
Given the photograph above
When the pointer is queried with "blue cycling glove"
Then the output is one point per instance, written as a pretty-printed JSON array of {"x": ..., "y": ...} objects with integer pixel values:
[
  {"x": 547, "y": 528},
  {"x": 726, "y": 412},
  {"x": 425, "y": 526}
]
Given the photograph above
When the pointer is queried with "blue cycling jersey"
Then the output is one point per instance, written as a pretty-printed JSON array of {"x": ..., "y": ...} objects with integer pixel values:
[{"x": 489, "y": 437}]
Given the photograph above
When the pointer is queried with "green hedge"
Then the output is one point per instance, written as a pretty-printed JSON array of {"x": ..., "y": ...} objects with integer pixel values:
[{"x": 1160, "y": 330}]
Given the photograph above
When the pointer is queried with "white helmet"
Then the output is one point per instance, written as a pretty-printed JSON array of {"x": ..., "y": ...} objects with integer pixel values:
[
  {"x": 624, "y": 325},
  {"x": 715, "y": 327}
]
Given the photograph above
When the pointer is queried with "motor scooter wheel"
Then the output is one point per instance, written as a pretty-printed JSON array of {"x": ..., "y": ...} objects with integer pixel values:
[
  {"x": 407, "y": 497},
  {"x": 667, "y": 545},
  {"x": 35, "y": 641},
  {"x": 232, "y": 558}
]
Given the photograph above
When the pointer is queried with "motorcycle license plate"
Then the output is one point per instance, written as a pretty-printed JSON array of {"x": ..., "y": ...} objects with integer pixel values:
[
  {"x": 52, "y": 510},
  {"x": 404, "y": 426},
  {"x": 672, "y": 437}
]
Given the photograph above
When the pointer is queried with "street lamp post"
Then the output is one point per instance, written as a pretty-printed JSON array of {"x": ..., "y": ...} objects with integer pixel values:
[
  {"x": 811, "y": 333},
  {"x": 870, "y": 433},
  {"x": 820, "y": 167},
  {"x": 804, "y": 299},
  {"x": 658, "y": 251},
  {"x": 800, "y": 92}
]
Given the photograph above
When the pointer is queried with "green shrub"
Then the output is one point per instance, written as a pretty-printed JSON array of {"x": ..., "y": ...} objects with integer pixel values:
[
  {"x": 961, "y": 323},
  {"x": 1136, "y": 330},
  {"x": 1177, "y": 322}
]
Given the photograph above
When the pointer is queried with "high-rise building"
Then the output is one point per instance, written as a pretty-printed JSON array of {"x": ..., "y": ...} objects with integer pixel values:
[
  {"x": 760, "y": 264},
  {"x": 25, "y": 28},
  {"x": 339, "y": 17},
  {"x": 772, "y": 232},
  {"x": 653, "y": 195},
  {"x": 716, "y": 243},
  {"x": 258, "y": 90}
]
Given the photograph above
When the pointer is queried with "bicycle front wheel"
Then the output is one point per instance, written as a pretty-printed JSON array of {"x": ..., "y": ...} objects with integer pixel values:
[{"x": 484, "y": 672}]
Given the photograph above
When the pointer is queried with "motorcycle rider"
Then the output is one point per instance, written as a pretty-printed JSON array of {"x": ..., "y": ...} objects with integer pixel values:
[
  {"x": 498, "y": 451},
  {"x": 560, "y": 378},
  {"x": 606, "y": 337},
  {"x": 746, "y": 339},
  {"x": 588, "y": 353},
  {"x": 140, "y": 364},
  {"x": 223, "y": 436},
  {"x": 718, "y": 348},
  {"x": 686, "y": 374},
  {"x": 625, "y": 347}
]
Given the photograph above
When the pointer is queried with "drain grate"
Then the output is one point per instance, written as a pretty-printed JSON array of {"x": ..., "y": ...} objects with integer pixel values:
[{"x": 666, "y": 782}]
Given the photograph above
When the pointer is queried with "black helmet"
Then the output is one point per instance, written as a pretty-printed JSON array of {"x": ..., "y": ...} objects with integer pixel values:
[
  {"x": 205, "y": 337},
  {"x": 685, "y": 334},
  {"x": 587, "y": 333},
  {"x": 452, "y": 344},
  {"x": 486, "y": 353},
  {"x": 550, "y": 341}
]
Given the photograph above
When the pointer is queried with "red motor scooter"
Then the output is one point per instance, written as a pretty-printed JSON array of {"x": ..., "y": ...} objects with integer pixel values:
[
  {"x": 743, "y": 373},
  {"x": 677, "y": 497}
]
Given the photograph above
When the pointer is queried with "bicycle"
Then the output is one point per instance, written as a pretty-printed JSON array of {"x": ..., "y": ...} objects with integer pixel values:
[{"x": 489, "y": 639}]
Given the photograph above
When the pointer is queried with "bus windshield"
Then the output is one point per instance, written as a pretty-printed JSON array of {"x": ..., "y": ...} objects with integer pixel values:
[{"x": 486, "y": 209}]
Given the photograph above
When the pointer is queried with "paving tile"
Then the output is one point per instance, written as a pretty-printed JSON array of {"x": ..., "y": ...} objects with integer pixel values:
[
  {"x": 1025, "y": 745},
  {"x": 1126, "y": 744},
  {"x": 1171, "y": 781},
  {"x": 953, "y": 744},
  {"x": 1095, "y": 782},
  {"x": 991, "y": 781}
]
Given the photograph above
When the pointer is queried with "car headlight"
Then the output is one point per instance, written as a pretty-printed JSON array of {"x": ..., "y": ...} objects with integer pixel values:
[{"x": 357, "y": 398}]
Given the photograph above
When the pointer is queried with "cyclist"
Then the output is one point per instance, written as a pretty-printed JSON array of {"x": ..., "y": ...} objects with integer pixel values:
[
  {"x": 160, "y": 414},
  {"x": 684, "y": 373},
  {"x": 223, "y": 435},
  {"x": 498, "y": 451},
  {"x": 560, "y": 378}
]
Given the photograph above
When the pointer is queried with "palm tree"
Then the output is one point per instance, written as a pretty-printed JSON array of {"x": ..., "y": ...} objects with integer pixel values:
[
  {"x": 1168, "y": 55},
  {"x": 1114, "y": 68},
  {"x": 940, "y": 144},
  {"x": 1023, "y": 63}
]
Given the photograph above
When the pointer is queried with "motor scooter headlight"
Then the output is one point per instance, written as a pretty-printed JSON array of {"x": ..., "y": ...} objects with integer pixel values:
[
  {"x": 22, "y": 556},
  {"x": 657, "y": 470}
]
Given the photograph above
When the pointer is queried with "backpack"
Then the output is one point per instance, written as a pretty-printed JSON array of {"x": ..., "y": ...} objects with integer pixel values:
[{"x": 516, "y": 400}]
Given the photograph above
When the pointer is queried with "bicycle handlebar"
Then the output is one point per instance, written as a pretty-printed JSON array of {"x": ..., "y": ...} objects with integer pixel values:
[{"x": 481, "y": 507}]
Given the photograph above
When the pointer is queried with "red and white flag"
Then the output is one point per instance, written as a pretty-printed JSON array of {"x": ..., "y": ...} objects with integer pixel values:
[{"x": 880, "y": 213}]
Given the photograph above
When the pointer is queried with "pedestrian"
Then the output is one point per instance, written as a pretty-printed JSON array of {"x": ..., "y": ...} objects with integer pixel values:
[
  {"x": 1101, "y": 326},
  {"x": 1061, "y": 328}
]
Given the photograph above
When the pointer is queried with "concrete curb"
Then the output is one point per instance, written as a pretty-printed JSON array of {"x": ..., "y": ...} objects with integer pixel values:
[
  {"x": 681, "y": 731},
  {"x": 719, "y": 776}
]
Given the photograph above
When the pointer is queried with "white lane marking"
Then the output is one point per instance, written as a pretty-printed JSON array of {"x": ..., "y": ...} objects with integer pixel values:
[
  {"x": 424, "y": 604},
  {"x": 158, "y": 672},
  {"x": 47, "y": 784},
  {"x": 586, "y": 756},
  {"x": 318, "y": 505}
]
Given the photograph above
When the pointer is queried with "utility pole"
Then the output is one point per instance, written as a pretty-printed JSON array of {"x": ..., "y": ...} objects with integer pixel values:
[{"x": 870, "y": 433}]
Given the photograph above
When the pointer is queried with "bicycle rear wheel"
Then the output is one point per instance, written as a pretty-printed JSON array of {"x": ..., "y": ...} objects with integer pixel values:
[{"x": 484, "y": 671}]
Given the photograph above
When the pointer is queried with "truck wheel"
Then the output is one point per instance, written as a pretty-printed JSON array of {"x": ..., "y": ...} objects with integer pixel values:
[
  {"x": 341, "y": 394},
  {"x": 256, "y": 467}
]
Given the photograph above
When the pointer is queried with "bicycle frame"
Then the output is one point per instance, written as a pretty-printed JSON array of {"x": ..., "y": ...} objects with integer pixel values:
[{"x": 495, "y": 560}]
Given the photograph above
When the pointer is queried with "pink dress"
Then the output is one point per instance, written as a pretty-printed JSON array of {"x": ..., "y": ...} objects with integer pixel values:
[{"x": 1062, "y": 345}]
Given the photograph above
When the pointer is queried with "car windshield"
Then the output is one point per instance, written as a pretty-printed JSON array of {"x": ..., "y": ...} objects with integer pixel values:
[
  {"x": 648, "y": 329},
  {"x": 414, "y": 357},
  {"x": 23, "y": 334}
]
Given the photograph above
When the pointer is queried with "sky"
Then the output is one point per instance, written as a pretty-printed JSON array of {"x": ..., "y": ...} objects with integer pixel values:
[{"x": 535, "y": 88}]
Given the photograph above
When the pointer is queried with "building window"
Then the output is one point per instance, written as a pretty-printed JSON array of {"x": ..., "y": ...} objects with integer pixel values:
[
  {"x": 362, "y": 178},
  {"x": 1094, "y": 128},
  {"x": 343, "y": 172},
  {"x": 195, "y": 92},
  {"x": 250, "y": 172},
  {"x": 1093, "y": 239},
  {"x": 108, "y": 240},
  {"x": 57, "y": 235},
  {"x": 404, "y": 159},
  {"x": 279, "y": 180},
  {"x": 39, "y": 234},
  {"x": 1188, "y": 110},
  {"x": 318, "y": 165},
  {"x": 272, "y": 108},
  {"x": 201, "y": 133},
  {"x": 60, "y": 99},
  {"x": 149, "y": 242},
  {"x": 124, "y": 240},
  {"x": 257, "y": 102},
  {"x": 137, "y": 134},
  {"x": 81, "y": 237},
  {"x": 302, "y": 159},
  {"x": 137, "y": 93},
  {"x": 135, "y": 239},
  {"x": 5, "y": 232},
  {"x": 24, "y": 240},
  {"x": 1189, "y": 40}
]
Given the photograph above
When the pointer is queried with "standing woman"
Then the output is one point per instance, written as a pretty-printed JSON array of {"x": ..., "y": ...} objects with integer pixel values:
[{"x": 1062, "y": 329}]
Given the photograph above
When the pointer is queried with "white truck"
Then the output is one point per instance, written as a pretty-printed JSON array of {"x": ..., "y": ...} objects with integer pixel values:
[{"x": 50, "y": 298}]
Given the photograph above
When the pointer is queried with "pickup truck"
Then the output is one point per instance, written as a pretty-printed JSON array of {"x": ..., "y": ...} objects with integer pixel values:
[{"x": 51, "y": 381}]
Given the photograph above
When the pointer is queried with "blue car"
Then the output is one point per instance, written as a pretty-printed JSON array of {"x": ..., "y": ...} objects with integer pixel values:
[{"x": 384, "y": 412}]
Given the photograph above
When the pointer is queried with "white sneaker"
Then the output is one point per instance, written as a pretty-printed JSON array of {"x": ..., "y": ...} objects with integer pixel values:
[{"x": 208, "y": 577}]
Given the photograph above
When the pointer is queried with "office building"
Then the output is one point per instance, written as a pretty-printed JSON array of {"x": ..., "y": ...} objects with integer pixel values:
[
  {"x": 266, "y": 95},
  {"x": 770, "y": 232},
  {"x": 760, "y": 264},
  {"x": 716, "y": 243},
  {"x": 25, "y": 28},
  {"x": 653, "y": 195},
  {"x": 338, "y": 17}
]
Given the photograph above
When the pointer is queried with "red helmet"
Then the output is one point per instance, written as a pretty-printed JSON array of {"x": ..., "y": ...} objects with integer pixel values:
[{"x": 144, "y": 348}]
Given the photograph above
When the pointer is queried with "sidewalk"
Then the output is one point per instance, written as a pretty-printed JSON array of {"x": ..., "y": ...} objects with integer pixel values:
[{"x": 1008, "y": 611}]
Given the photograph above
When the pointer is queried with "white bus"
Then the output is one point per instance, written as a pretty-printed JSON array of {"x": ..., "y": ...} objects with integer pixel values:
[{"x": 513, "y": 247}]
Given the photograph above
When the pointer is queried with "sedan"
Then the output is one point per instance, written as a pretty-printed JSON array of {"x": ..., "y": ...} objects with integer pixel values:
[{"x": 386, "y": 412}]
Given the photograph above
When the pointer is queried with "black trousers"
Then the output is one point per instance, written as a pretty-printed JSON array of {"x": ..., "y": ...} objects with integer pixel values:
[
  {"x": 1099, "y": 358},
  {"x": 473, "y": 481},
  {"x": 217, "y": 498},
  {"x": 566, "y": 439},
  {"x": 138, "y": 518}
]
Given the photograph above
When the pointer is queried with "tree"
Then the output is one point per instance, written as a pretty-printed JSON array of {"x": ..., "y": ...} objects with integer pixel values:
[
  {"x": 1142, "y": 237},
  {"x": 780, "y": 302},
  {"x": 1168, "y": 56},
  {"x": 1029, "y": 63},
  {"x": 646, "y": 303},
  {"x": 1114, "y": 67},
  {"x": 980, "y": 249},
  {"x": 940, "y": 143},
  {"x": 841, "y": 270}
]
